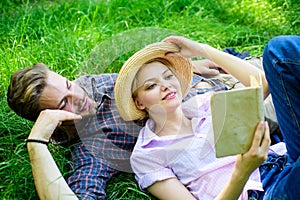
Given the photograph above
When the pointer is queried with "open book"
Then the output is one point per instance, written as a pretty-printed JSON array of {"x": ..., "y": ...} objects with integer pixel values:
[{"x": 235, "y": 115}]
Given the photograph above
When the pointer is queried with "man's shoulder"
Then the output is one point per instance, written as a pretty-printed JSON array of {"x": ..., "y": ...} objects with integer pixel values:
[
  {"x": 96, "y": 81},
  {"x": 98, "y": 85},
  {"x": 99, "y": 78}
]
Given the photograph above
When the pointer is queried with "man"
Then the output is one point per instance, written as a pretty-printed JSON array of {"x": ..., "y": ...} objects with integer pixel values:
[{"x": 41, "y": 95}]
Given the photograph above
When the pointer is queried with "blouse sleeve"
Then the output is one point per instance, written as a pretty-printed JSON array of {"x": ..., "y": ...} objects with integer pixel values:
[{"x": 149, "y": 166}]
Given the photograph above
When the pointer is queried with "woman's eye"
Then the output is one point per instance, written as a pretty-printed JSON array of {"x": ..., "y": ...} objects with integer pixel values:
[
  {"x": 168, "y": 77},
  {"x": 151, "y": 86}
]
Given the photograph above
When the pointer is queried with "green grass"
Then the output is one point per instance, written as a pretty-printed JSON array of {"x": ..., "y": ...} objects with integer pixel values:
[{"x": 63, "y": 34}]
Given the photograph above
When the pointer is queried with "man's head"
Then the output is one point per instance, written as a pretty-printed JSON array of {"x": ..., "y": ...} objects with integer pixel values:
[{"x": 37, "y": 88}]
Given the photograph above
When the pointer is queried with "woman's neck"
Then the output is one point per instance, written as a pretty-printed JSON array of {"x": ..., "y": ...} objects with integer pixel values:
[{"x": 172, "y": 124}]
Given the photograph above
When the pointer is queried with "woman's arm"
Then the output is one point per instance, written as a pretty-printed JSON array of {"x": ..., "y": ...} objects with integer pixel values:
[
  {"x": 247, "y": 163},
  {"x": 171, "y": 189},
  {"x": 234, "y": 65},
  {"x": 49, "y": 182}
]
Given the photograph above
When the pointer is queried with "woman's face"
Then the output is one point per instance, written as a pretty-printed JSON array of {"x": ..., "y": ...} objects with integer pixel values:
[{"x": 158, "y": 89}]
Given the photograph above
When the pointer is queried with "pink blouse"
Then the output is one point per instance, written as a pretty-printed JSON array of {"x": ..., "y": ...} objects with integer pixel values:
[{"x": 188, "y": 157}]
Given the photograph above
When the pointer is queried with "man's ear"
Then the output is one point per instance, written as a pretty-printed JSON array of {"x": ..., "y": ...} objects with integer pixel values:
[{"x": 139, "y": 105}]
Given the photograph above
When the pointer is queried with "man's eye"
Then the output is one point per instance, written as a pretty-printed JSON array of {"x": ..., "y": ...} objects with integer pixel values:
[{"x": 63, "y": 104}]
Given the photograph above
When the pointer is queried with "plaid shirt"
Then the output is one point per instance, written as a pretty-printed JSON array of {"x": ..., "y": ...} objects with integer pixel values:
[{"x": 106, "y": 141}]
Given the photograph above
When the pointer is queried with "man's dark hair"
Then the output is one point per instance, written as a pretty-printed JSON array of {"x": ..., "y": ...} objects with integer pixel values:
[{"x": 25, "y": 89}]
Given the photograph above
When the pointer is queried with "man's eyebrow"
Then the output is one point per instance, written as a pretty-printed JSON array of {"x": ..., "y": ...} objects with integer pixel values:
[{"x": 68, "y": 83}]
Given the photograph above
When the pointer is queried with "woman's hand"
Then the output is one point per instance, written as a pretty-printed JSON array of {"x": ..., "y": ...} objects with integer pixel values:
[
  {"x": 47, "y": 121},
  {"x": 188, "y": 48},
  {"x": 246, "y": 163}
]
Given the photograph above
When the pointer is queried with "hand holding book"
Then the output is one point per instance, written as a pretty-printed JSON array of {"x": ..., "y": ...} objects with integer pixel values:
[{"x": 235, "y": 115}]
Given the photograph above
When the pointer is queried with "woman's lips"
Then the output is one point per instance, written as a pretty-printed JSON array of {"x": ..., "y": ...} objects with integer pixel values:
[{"x": 170, "y": 95}]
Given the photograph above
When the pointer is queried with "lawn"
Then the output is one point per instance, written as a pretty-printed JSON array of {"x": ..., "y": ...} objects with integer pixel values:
[{"x": 93, "y": 36}]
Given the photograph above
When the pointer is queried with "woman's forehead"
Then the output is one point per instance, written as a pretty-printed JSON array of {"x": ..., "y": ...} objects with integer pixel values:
[{"x": 152, "y": 69}]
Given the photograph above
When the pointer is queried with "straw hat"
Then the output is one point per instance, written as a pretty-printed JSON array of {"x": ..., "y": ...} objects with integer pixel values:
[{"x": 180, "y": 66}]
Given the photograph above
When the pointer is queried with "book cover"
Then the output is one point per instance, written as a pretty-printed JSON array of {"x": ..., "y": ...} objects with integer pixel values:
[{"x": 235, "y": 115}]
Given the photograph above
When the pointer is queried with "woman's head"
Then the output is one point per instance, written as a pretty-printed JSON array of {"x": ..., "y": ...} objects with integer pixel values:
[{"x": 171, "y": 73}]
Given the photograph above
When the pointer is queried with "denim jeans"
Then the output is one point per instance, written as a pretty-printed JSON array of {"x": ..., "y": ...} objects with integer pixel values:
[{"x": 281, "y": 62}]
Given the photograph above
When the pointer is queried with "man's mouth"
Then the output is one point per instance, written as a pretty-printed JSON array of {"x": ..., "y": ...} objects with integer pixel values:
[{"x": 170, "y": 95}]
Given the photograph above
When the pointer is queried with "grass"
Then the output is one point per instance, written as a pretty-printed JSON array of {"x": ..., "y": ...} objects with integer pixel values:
[{"x": 63, "y": 35}]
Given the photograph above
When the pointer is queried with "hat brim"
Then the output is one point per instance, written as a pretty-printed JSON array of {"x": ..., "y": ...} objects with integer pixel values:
[{"x": 180, "y": 66}]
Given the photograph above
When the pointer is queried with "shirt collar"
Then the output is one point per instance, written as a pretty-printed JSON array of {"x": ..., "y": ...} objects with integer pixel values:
[
  {"x": 97, "y": 86},
  {"x": 150, "y": 139}
]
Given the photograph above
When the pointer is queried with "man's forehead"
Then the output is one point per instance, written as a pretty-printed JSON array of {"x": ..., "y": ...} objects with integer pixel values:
[
  {"x": 54, "y": 76},
  {"x": 54, "y": 89},
  {"x": 55, "y": 81}
]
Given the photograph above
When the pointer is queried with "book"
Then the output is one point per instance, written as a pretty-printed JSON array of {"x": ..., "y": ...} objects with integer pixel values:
[{"x": 235, "y": 116}]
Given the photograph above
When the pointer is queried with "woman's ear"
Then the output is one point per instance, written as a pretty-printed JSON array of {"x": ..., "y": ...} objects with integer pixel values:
[{"x": 139, "y": 105}]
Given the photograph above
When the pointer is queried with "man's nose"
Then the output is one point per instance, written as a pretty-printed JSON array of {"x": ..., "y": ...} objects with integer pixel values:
[{"x": 74, "y": 97}]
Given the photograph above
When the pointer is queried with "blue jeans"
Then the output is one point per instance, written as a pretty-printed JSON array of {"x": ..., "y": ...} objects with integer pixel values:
[{"x": 281, "y": 61}]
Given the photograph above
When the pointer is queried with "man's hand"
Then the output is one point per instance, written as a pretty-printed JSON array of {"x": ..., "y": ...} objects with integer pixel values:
[
  {"x": 205, "y": 67},
  {"x": 47, "y": 121}
]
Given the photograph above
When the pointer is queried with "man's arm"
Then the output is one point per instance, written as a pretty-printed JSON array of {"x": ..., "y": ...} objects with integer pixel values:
[
  {"x": 49, "y": 181},
  {"x": 205, "y": 67}
]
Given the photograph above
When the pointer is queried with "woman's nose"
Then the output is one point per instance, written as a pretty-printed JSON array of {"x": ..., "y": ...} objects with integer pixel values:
[{"x": 165, "y": 86}]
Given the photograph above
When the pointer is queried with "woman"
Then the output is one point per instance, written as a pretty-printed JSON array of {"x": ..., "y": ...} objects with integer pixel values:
[{"x": 174, "y": 157}]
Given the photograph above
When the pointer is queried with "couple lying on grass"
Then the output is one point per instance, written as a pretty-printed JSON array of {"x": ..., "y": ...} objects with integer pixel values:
[{"x": 173, "y": 157}]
